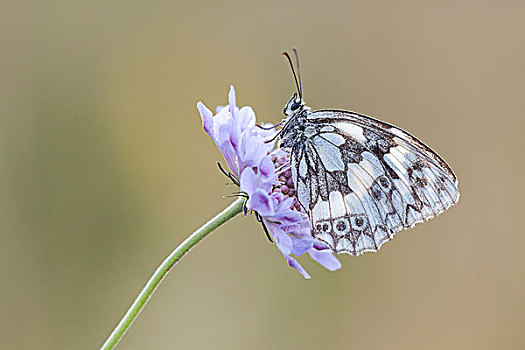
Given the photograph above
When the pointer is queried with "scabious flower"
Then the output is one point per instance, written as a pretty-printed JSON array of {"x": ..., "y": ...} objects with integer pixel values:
[{"x": 264, "y": 176}]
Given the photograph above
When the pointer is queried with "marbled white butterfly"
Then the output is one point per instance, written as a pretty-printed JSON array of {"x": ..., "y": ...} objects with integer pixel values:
[{"x": 359, "y": 179}]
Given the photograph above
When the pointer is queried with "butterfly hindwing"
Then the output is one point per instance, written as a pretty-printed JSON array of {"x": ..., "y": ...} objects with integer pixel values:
[{"x": 362, "y": 180}]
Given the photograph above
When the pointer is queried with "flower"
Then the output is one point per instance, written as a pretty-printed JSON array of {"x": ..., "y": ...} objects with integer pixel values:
[{"x": 264, "y": 176}]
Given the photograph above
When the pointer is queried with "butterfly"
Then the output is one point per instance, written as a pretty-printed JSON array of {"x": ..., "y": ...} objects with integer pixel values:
[{"x": 359, "y": 179}]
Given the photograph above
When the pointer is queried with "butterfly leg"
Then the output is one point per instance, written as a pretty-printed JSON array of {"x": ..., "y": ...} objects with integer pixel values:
[
  {"x": 228, "y": 175},
  {"x": 259, "y": 218}
]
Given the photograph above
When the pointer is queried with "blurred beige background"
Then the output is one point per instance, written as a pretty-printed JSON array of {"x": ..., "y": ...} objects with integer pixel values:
[{"x": 105, "y": 168}]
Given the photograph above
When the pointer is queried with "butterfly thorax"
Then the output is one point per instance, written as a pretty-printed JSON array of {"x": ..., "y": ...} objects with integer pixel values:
[
  {"x": 295, "y": 130},
  {"x": 295, "y": 126}
]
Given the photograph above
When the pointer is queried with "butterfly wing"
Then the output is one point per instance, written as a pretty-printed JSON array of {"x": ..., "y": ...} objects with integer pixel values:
[{"x": 362, "y": 180}]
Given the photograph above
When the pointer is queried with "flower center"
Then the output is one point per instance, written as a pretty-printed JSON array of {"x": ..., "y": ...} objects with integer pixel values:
[{"x": 286, "y": 186}]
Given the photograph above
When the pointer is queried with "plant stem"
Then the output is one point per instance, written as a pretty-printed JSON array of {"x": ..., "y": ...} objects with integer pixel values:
[{"x": 161, "y": 272}]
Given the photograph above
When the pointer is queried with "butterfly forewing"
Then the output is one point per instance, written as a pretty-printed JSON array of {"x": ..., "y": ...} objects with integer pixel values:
[{"x": 362, "y": 180}]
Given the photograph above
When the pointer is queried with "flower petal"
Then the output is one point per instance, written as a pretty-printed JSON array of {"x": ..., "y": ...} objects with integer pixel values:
[
  {"x": 231, "y": 158},
  {"x": 267, "y": 168},
  {"x": 318, "y": 245},
  {"x": 232, "y": 101},
  {"x": 222, "y": 129},
  {"x": 301, "y": 246},
  {"x": 301, "y": 238},
  {"x": 248, "y": 181},
  {"x": 261, "y": 202},
  {"x": 326, "y": 259},
  {"x": 283, "y": 241},
  {"x": 289, "y": 216},
  {"x": 251, "y": 150},
  {"x": 293, "y": 263},
  {"x": 246, "y": 118},
  {"x": 207, "y": 119}
]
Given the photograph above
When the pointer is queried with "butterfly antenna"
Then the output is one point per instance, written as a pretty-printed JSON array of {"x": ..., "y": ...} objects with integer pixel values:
[
  {"x": 298, "y": 72},
  {"x": 294, "y": 75},
  {"x": 268, "y": 127}
]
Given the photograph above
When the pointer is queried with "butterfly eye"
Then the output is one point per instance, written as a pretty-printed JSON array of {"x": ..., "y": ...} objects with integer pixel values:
[{"x": 295, "y": 105}]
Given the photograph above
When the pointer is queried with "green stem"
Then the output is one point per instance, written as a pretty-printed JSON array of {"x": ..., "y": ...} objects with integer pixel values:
[{"x": 161, "y": 272}]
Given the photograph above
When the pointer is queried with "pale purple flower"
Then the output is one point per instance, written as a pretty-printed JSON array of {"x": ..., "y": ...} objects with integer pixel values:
[{"x": 264, "y": 176}]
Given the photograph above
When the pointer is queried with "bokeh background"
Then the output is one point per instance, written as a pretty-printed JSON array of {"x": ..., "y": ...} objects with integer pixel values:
[{"x": 105, "y": 168}]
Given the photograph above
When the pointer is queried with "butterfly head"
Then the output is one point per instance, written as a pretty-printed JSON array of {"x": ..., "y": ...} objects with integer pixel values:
[{"x": 294, "y": 106}]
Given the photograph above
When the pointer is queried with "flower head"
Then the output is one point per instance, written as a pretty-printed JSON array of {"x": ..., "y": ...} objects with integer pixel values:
[{"x": 264, "y": 176}]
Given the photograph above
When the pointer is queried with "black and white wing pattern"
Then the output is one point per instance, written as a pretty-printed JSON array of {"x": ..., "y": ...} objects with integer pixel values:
[{"x": 362, "y": 180}]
